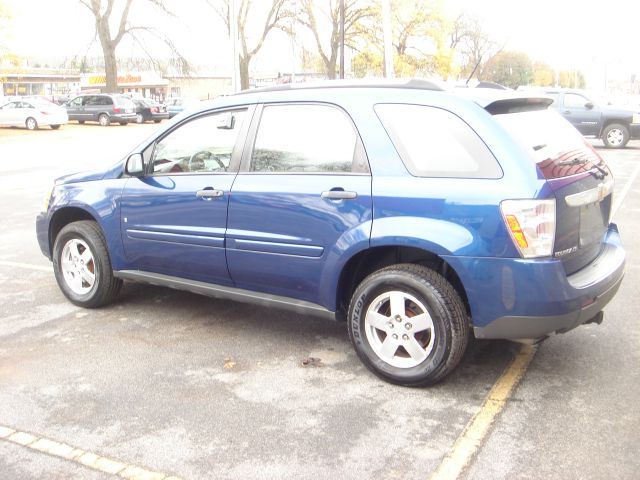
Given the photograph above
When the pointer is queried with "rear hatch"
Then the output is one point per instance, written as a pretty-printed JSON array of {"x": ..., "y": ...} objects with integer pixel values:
[{"x": 579, "y": 178}]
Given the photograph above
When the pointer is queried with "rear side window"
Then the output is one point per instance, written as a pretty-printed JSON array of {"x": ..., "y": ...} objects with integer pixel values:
[
  {"x": 433, "y": 142},
  {"x": 306, "y": 139}
]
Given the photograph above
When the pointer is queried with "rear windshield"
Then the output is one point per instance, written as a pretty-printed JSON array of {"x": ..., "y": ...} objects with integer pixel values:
[{"x": 557, "y": 147}]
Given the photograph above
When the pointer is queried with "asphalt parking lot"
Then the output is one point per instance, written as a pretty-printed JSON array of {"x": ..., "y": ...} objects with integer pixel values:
[{"x": 166, "y": 383}]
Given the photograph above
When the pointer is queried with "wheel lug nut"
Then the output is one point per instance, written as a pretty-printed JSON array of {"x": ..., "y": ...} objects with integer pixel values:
[
  {"x": 408, "y": 326},
  {"x": 405, "y": 337},
  {"x": 395, "y": 337},
  {"x": 398, "y": 318}
]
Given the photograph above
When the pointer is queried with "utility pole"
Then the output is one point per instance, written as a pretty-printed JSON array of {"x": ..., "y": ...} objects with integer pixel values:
[
  {"x": 233, "y": 32},
  {"x": 388, "y": 42},
  {"x": 341, "y": 38}
]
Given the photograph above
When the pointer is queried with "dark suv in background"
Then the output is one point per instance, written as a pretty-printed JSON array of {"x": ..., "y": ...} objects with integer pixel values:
[
  {"x": 594, "y": 117},
  {"x": 103, "y": 108},
  {"x": 414, "y": 214}
]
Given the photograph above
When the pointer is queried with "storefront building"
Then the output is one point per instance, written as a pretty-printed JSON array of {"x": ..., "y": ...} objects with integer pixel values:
[{"x": 38, "y": 81}]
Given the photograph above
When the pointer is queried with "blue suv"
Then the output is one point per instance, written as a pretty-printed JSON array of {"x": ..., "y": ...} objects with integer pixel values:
[{"x": 416, "y": 215}]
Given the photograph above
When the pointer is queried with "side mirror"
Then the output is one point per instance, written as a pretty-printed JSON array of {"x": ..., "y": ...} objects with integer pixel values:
[
  {"x": 226, "y": 121},
  {"x": 588, "y": 105},
  {"x": 135, "y": 165}
]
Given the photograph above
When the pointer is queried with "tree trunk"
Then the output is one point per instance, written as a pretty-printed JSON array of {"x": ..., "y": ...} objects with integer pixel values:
[
  {"x": 109, "y": 52},
  {"x": 244, "y": 72},
  {"x": 110, "y": 69}
]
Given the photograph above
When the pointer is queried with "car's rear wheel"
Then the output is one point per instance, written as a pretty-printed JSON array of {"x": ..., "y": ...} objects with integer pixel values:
[
  {"x": 139, "y": 118},
  {"x": 615, "y": 135},
  {"x": 55, "y": 127},
  {"x": 408, "y": 325},
  {"x": 104, "y": 120},
  {"x": 31, "y": 123},
  {"x": 82, "y": 265}
]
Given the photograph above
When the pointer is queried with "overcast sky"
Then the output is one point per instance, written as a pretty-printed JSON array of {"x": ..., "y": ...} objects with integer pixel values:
[{"x": 565, "y": 33}]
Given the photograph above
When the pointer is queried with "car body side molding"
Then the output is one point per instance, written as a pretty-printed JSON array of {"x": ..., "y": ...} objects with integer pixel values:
[{"x": 217, "y": 291}]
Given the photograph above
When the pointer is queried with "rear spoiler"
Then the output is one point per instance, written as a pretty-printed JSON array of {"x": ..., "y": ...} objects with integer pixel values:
[{"x": 515, "y": 105}]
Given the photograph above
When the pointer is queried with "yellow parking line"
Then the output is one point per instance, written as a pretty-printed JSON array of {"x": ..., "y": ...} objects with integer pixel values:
[
  {"x": 476, "y": 430},
  {"x": 80, "y": 456}
]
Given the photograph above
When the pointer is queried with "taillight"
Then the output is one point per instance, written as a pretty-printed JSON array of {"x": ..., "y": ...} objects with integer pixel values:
[
  {"x": 43, "y": 112},
  {"x": 532, "y": 225},
  {"x": 117, "y": 109},
  {"x": 154, "y": 109}
]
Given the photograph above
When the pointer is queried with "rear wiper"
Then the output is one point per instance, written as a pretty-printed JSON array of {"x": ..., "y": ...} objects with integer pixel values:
[
  {"x": 539, "y": 147},
  {"x": 573, "y": 161}
]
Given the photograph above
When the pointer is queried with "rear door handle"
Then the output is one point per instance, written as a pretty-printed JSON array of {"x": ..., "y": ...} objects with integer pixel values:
[
  {"x": 338, "y": 195},
  {"x": 209, "y": 193}
]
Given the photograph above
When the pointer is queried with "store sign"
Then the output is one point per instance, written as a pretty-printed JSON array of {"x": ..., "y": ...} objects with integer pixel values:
[{"x": 102, "y": 79}]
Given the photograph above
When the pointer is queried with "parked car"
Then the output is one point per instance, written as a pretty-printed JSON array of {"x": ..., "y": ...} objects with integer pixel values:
[
  {"x": 148, "y": 109},
  {"x": 176, "y": 105},
  {"x": 32, "y": 113},
  {"x": 615, "y": 126},
  {"x": 412, "y": 213},
  {"x": 103, "y": 108}
]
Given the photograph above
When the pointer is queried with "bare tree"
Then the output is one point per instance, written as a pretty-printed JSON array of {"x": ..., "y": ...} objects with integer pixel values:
[
  {"x": 355, "y": 11},
  {"x": 275, "y": 19},
  {"x": 476, "y": 45},
  {"x": 102, "y": 11}
]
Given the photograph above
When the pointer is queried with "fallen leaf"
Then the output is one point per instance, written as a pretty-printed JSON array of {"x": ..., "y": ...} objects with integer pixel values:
[{"x": 229, "y": 363}]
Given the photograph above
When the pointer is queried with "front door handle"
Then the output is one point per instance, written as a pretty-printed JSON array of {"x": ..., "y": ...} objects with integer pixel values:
[
  {"x": 338, "y": 195},
  {"x": 209, "y": 193}
]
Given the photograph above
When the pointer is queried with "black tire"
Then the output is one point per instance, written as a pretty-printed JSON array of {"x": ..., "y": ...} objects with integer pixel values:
[
  {"x": 105, "y": 286},
  {"x": 615, "y": 135},
  {"x": 54, "y": 127},
  {"x": 445, "y": 341},
  {"x": 31, "y": 123},
  {"x": 104, "y": 120}
]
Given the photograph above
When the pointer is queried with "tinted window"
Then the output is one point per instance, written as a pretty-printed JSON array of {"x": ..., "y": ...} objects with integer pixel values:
[
  {"x": 204, "y": 144},
  {"x": 76, "y": 102},
  {"x": 436, "y": 143},
  {"x": 573, "y": 100},
  {"x": 553, "y": 142},
  {"x": 304, "y": 138}
]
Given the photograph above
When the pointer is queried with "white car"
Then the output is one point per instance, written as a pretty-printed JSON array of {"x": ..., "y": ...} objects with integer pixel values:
[{"x": 32, "y": 113}]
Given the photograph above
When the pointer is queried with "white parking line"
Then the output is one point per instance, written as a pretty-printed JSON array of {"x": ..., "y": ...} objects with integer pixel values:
[
  {"x": 27, "y": 266},
  {"x": 80, "y": 456},
  {"x": 617, "y": 202}
]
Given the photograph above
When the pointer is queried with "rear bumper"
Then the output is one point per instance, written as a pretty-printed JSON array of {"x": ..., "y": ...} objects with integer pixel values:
[
  {"x": 123, "y": 117},
  {"x": 530, "y": 299},
  {"x": 634, "y": 131}
]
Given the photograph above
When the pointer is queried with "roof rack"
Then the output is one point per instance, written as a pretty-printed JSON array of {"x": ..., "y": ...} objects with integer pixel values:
[{"x": 412, "y": 83}]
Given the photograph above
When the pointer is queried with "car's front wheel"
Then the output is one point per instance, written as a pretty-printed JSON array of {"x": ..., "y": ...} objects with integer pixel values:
[
  {"x": 82, "y": 265},
  {"x": 615, "y": 135},
  {"x": 408, "y": 325}
]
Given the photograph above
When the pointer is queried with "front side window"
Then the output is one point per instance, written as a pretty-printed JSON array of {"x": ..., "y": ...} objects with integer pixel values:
[
  {"x": 305, "y": 139},
  {"x": 202, "y": 145},
  {"x": 76, "y": 102},
  {"x": 573, "y": 100},
  {"x": 433, "y": 142}
]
